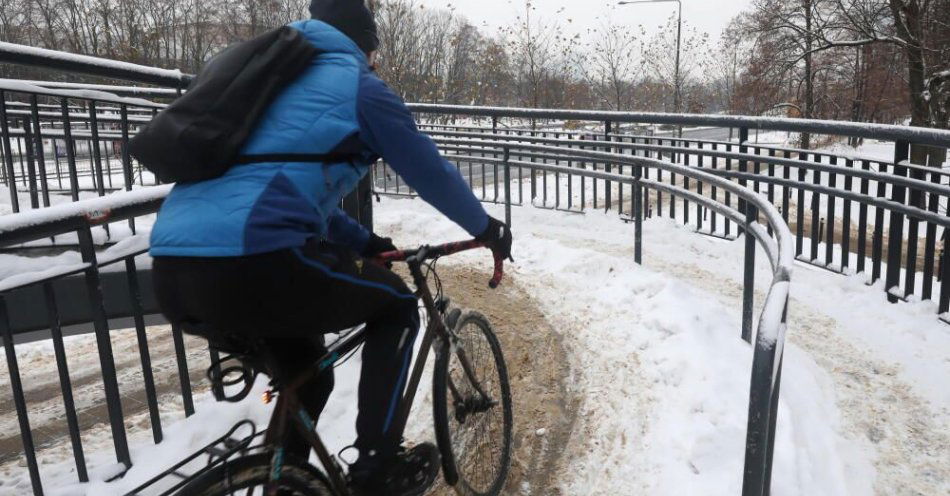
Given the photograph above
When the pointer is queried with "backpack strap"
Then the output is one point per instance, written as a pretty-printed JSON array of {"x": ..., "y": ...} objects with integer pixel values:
[{"x": 328, "y": 158}]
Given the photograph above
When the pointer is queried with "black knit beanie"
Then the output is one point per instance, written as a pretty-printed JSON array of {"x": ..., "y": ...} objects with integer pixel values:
[{"x": 351, "y": 17}]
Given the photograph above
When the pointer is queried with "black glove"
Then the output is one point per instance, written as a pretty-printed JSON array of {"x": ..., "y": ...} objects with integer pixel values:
[
  {"x": 497, "y": 236},
  {"x": 377, "y": 245}
]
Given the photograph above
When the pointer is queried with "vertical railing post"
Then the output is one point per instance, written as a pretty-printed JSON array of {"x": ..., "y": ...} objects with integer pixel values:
[
  {"x": 19, "y": 153},
  {"x": 8, "y": 154},
  {"x": 96, "y": 155},
  {"x": 534, "y": 185},
  {"x": 59, "y": 169},
  {"x": 507, "y": 165},
  {"x": 40, "y": 153},
  {"x": 863, "y": 221},
  {"x": 126, "y": 157},
  {"x": 184, "y": 379},
  {"x": 607, "y": 166},
  {"x": 151, "y": 398},
  {"x": 65, "y": 383},
  {"x": 895, "y": 233},
  {"x": 773, "y": 415},
  {"x": 494, "y": 131},
  {"x": 104, "y": 344},
  {"x": 743, "y": 165},
  {"x": 638, "y": 214},
  {"x": 763, "y": 411},
  {"x": 748, "y": 272},
  {"x": 30, "y": 165},
  {"x": 19, "y": 400},
  {"x": 70, "y": 150}
]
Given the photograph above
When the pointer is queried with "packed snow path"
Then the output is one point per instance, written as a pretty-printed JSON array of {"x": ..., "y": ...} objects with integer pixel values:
[
  {"x": 877, "y": 406},
  {"x": 633, "y": 380},
  {"x": 663, "y": 376}
]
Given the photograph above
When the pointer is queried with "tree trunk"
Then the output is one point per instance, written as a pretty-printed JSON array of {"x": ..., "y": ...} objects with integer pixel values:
[
  {"x": 808, "y": 107},
  {"x": 907, "y": 17},
  {"x": 860, "y": 90}
]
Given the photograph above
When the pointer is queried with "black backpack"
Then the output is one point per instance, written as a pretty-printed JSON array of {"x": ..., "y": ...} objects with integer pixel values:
[{"x": 199, "y": 136}]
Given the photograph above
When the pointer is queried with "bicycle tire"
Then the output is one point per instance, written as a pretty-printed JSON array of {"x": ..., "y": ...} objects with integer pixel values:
[
  {"x": 247, "y": 472},
  {"x": 461, "y": 469}
]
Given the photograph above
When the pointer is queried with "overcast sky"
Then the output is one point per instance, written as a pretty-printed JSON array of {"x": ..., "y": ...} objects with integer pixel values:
[{"x": 707, "y": 15}]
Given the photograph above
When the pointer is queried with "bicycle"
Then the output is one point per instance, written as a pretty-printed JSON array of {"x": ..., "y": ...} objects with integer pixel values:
[{"x": 465, "y": 397}]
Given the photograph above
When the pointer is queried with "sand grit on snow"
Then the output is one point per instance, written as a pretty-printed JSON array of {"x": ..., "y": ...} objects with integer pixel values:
[{"x": 658, "y": 369}]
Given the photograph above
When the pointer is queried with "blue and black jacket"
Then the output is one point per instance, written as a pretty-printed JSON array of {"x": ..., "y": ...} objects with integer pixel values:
[{"x": 337, "y": 105}]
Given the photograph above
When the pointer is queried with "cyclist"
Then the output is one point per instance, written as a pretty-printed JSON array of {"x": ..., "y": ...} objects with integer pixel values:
[{"x": 265, "y": 253}]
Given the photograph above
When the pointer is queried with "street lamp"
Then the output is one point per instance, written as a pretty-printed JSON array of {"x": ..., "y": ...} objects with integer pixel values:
[{"x": 679, "y": 29}]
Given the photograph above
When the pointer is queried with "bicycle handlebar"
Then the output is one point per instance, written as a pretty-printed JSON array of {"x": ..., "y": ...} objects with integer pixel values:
[{"x": 430, "y": 252}]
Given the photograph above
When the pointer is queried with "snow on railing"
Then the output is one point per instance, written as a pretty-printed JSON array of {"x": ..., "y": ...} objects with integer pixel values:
[
  {"x": 93, "y": 209},
  {"x": 108, "y": 88},
  {"x": 935, "y": 137},
  {"x": 54, "y": 59},
  {"x": 16, "y": 85}
]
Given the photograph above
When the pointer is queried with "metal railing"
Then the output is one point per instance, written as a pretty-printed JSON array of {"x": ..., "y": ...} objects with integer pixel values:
[
  {"x": 81, "y": 218},
  {"x": 774, "y": 237},
  {"x": 848, "y": 213},
  {"x": 59, "y": 143},
  {"x": 23, "y": 55}
]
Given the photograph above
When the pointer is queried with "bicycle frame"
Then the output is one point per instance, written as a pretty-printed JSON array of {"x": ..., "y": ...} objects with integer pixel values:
[{"x": 288, "y": 406}]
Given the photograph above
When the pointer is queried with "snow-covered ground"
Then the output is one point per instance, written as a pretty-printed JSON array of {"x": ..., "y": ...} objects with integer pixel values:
[{"x": 655, "y": 356}]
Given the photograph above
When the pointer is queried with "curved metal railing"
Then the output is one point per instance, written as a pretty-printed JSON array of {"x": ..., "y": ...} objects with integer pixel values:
[
  {"x": 842, "y": 208},
  {"x": 775, "y": 239}
]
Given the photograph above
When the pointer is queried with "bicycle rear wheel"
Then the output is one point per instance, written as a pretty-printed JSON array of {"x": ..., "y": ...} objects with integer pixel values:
[
  {"x": 248, "y": 476},
  {"x": 472, "y": 409}
]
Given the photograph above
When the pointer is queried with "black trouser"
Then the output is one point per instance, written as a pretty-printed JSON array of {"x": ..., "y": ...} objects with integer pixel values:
[{"x": 289, "y": 299}]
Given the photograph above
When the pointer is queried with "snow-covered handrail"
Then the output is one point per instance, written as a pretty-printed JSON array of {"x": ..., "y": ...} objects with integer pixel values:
[
  {"x": 96, "y": 66},
  {"x": 108, "y": 88},
  {"x": 516, "y": 141},
  {"x": 35, "y": 224},
  {"x": 889, "y": 132},
  {"x": 14, "y": 85},
  {"x": 628, "y": 145}
]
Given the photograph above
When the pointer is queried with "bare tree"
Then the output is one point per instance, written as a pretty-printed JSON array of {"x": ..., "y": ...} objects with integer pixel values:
[
  {"x": 613, "y": 66},
  {"x": 726, "y": 65},
  {"x": 790, "y": 31},
  {"x": 921, "y": 28},
  {"x": 542, "y": 58},
  {"x": 660, "y": 59}
]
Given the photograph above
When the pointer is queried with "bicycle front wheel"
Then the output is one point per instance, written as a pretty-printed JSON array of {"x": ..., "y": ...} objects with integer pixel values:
[
  {"x": 472, "y": 407},
  {"x": 249, "y": 475}
]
